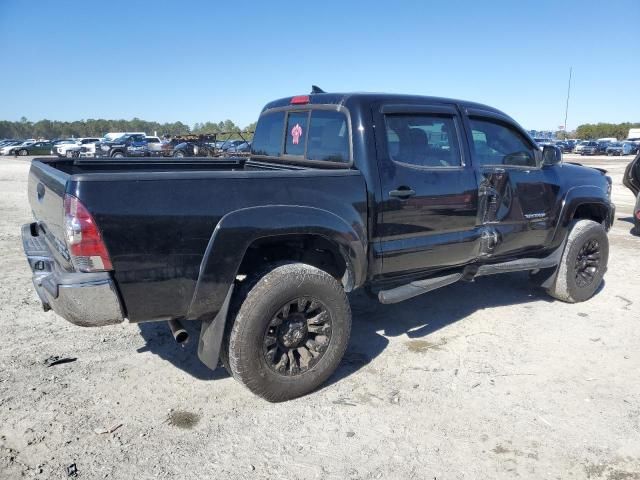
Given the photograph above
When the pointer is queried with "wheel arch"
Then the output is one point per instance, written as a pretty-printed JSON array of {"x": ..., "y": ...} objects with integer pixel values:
[
  {"x": 585, "y": 202},
  {"x": 243, "y": 236}
]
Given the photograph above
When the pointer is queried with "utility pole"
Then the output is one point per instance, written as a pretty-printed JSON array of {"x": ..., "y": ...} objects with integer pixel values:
[{"x": 566, "y": 108}]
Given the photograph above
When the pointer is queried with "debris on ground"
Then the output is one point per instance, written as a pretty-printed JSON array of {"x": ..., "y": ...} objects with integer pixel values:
[
  {"x": 72, "y": 470},
  {"x": 101, "y": 431},
  {"x": 56, "y": 360}
]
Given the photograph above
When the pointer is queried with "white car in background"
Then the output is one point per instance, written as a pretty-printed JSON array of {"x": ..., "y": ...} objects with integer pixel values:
[
  {"x": 59, "y": 147},
  {"x": 8, "y": 148},
  {"x": 154, "y": 144},
  {"x": 74, "y": 149}
]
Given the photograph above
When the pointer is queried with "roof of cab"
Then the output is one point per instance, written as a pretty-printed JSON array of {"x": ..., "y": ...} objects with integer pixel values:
[{"x": 350, "y": 100}]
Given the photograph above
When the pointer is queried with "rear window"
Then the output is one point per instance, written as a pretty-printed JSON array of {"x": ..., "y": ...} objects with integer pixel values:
[
  {"x": 318, "y": 135},
  {"x": 296, "y": 133},
  {"x": 267, "y": 139},
  {"x": 328, "y": 137}
]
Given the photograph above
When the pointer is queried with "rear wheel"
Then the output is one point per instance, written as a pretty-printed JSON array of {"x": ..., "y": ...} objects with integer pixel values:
[
  {"x": 118, "y": 155},
  {"x": 179, "y": 154},
  {"x": 291, "y": 329},
  {"x": 583, "y": 263}
]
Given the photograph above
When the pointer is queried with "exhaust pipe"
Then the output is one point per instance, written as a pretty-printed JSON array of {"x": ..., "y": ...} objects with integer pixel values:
[{"x": 178, "y": 331}]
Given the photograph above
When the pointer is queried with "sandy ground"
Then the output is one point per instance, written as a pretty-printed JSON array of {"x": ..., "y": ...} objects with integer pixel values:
[{"x": 491, "y": 379}]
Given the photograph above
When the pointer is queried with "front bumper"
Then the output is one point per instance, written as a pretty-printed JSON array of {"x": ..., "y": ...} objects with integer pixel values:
[{"x": 85, "y": 299}]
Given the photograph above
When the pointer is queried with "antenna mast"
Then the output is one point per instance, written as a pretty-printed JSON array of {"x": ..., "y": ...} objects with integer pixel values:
[{"x": 566, "y": 108}]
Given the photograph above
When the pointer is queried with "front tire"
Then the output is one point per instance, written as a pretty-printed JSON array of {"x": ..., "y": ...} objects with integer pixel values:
[
  {"x": 290, "y": 331},
  {"x": 583, "y": 263},
  {"x": 118, "y": 155},
  {"x": 179, "y": 154},
  {"x": 23, "y": 153}
]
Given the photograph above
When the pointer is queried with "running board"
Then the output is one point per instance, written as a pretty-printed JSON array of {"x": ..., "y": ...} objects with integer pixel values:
[
  {"x": 418, "y": 287},
  {"x": 413, "y": 289}
]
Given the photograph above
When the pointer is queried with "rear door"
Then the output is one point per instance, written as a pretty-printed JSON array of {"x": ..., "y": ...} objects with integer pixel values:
[
  {"x": 517, "y": 195},
  {"x": 429, "y": 190}
]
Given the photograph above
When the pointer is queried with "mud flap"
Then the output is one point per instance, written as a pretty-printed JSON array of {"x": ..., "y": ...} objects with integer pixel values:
[
  {"x": 550, "y": 280},
  {"x": 211, "y": 335}
]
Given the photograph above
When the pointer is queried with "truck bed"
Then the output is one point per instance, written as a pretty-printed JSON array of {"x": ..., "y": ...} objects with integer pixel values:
[{"x": 157, "y": 216}]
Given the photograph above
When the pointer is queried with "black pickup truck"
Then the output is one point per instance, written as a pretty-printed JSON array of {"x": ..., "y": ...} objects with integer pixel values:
[{"x": 396, "y": 194}]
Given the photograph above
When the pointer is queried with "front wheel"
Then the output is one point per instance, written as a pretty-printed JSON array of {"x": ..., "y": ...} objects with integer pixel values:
[
  {"x": 23, "y": 153},
  {"x": 290, "y": 331},
  {"x": 118, "y": 155},
  {"x": 583, "y": 263},
  {"x": 179, "y": 154}
]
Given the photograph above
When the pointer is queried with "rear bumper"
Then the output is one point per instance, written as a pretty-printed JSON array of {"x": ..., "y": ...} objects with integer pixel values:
[{"x": 85, "y": 299}]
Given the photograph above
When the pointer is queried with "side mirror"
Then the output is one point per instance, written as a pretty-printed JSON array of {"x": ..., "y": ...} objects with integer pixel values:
[{"x": 551, "y": 155}]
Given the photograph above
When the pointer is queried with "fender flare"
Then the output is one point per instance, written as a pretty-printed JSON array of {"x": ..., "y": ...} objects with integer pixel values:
[
  {"x": 237, "y": 230},
  {"x": 574, "y": 198}
]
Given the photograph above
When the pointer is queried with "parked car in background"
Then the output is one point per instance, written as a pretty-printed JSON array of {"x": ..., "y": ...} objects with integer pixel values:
[
  {"x": 8, "y": 150},
  {"x": 230, "y": 144},
  {"x": 564, "y": 146},
  {"x": 602, "y": 146},
  {"x": 630, "y": 148},
  {"x": 73, "y": 148},
  {"x": 578, "y": 148},
  {"x": 614, "y": 149},
  {"x": 35, "y": 148},
  {"x": 154, "y": 144},
  {"x": 4, "y": 148},
  {"x": 589, "y": 148},
  {"x": 541, "y": 142},
  {"x": 126, "y": 146},
  {"x": 243, "y": 147}
]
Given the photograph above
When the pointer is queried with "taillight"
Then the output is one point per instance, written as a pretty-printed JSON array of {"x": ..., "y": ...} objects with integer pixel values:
[{"x": 88, "y": 251}]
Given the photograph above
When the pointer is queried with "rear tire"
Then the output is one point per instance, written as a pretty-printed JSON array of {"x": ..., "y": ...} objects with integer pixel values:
[
  {"x": 117, "y": 155},
  {"x": 179, "y": 154},
  {"x": 291, "y": 329},
  {"x": 583, "y": 263}
]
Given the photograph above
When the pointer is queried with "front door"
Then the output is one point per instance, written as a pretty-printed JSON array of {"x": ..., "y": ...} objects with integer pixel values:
[
  {"x": 517, "y": 195},
  {"x": 429, "y": 191}
]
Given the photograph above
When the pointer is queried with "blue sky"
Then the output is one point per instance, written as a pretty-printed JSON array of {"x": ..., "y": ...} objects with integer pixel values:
[{"x": 195, "y": 61}]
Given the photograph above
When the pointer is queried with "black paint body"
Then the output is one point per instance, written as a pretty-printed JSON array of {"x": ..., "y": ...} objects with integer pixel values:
[{"x": 177, "y": 231}]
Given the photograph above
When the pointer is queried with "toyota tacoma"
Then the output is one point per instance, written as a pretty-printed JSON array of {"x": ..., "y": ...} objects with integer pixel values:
[{"x": 395, "y": 194}]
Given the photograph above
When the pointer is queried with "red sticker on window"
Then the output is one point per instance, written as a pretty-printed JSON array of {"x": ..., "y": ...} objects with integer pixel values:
[{"x": 296, "y": 133}]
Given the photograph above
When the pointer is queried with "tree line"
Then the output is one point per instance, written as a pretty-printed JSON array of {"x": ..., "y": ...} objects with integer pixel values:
[
  {"x": 605, "y": 130},
  {"x": 98, "y": 127}
]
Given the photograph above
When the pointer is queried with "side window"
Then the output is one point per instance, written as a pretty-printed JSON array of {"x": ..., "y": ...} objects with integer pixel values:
[
  {"x": 328, "y": 137},
  {"x": 296, "y": 134},
  {"x": 423, "y": 140},
  {"x": 498, "y": 144},
  {"x": 267, "y": 139}
]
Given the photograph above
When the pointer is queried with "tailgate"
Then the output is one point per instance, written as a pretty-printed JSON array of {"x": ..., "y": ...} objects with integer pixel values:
[{"x": 46, "y": 196}]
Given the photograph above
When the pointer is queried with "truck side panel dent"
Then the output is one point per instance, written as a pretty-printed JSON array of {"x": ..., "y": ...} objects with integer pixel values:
[{"x": 237, "y": 230}]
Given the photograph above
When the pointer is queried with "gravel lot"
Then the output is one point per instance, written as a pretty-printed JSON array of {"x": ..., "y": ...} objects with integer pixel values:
[{"x": 491, "y": 379}]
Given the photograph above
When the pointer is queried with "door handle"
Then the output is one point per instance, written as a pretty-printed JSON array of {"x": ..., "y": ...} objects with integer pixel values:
[{"x": 402, "y": 193}]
